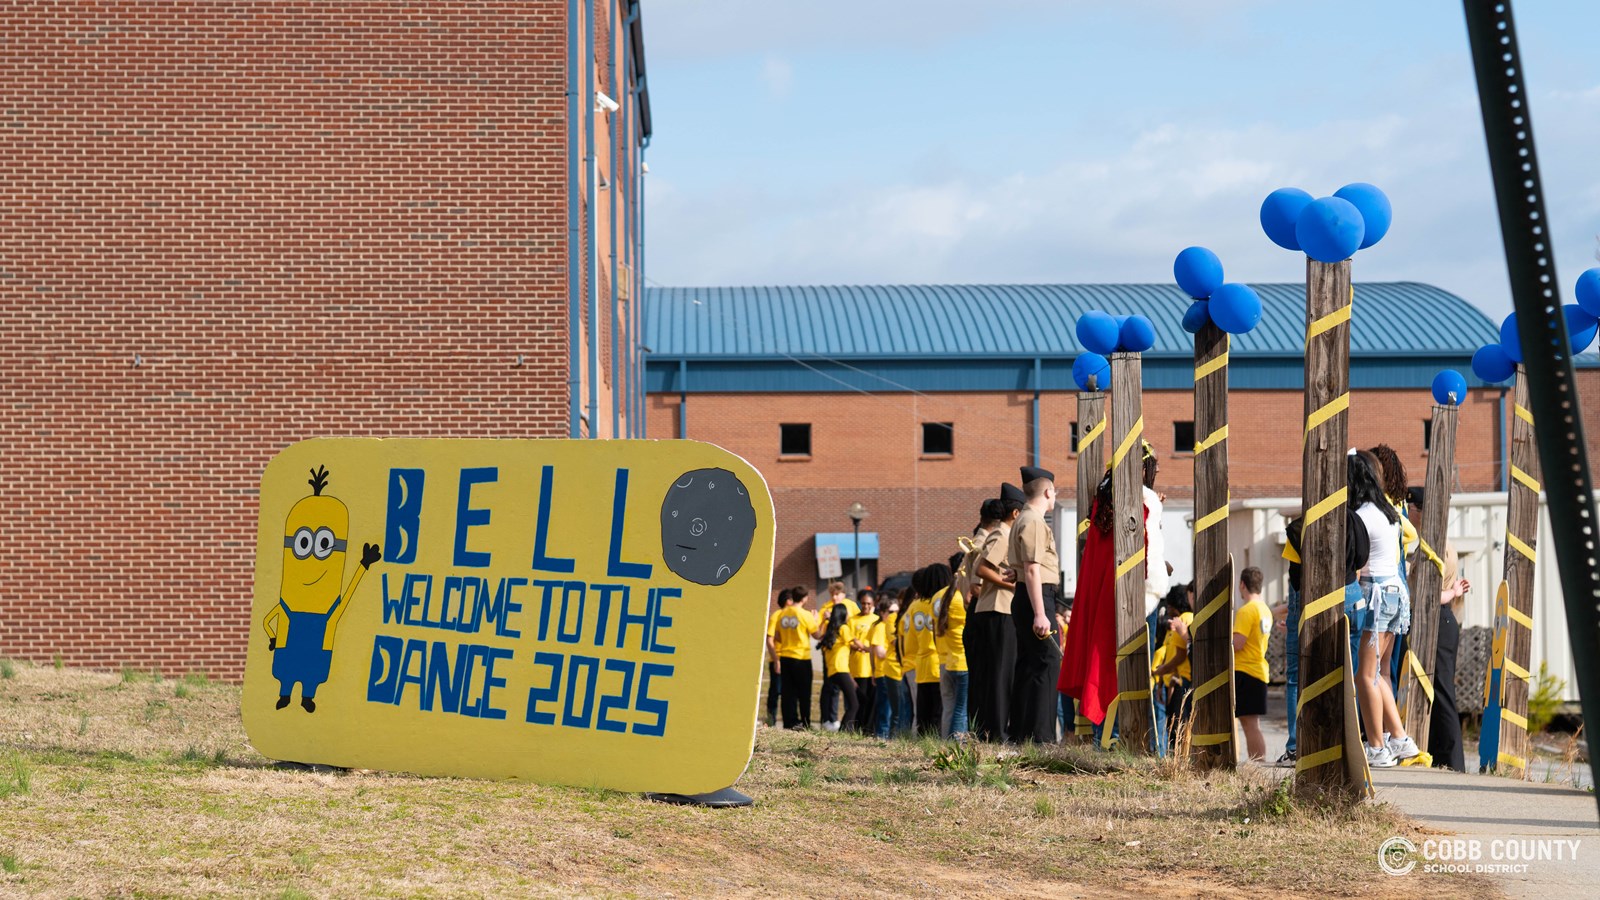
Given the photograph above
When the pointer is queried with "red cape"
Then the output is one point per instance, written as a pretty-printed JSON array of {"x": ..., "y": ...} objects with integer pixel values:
[{"x": 1089, "y": 661}]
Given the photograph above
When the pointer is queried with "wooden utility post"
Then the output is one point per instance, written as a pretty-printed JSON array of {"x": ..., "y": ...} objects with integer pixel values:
[
  {"x": 1091, "y": 465},
  {"x": 1211, "y": 635},
  {"x": 1322, "y": 772},
  {"x": 1130, "y": 713},
  {"x": 1522, "y": 538},
  {"x": 1427, "y": 578}
]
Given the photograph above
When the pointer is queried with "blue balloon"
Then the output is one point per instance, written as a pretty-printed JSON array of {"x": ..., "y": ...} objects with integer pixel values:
[
  {"x": 1098, "y": 332},
  {"x": 1138, "y": 334},
  {"x": 1449, "y": 388},
  {"x": 1492, "y": 364},
  {"x": 1197, "y": 316},
  {"x": 1581, "y": 327},
  {"x": 1121, "y": 320},
  {"x": 1329, "y": 230},
  {"x": 1511, "y": 338},
  {"x": 1373, "y": 204},
  {"x": 1235, "y": 308},
  {"x": 1091, "y": 365},
  {"x": 1589, "y": 292},
  {"x": 1198, "y": 271},
  {"x": 1279, "y": 213}
]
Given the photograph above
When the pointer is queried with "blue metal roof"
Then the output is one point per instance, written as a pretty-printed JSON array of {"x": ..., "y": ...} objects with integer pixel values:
[{"x": 1023, "y": 320}]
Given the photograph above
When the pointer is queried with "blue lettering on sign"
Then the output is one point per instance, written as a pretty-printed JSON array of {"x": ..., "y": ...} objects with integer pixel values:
[
  {"x": 403, "y": 524},
  {"x": 541, "y": 528},
  {"x": 615, "y": 567},
  {"x": 591, "y": 664},
  {"x": 467, "y": 515},
  {"x": 550, "y": 692},
  {"x": 619, "y": 700},
  {"x": 646, "y": 704}
]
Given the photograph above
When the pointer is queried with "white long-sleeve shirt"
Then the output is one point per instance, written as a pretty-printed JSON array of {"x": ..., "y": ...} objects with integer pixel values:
[{"x": 1156, "y": 580}]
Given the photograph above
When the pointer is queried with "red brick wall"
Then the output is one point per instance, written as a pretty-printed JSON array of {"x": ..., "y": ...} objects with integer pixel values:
[
  {"x": 867, "y": 449},
  {"x": 225, "y": 228}
]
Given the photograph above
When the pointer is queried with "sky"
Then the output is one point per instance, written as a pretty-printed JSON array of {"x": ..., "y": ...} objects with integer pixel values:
[{"x": 995, "y": 141}]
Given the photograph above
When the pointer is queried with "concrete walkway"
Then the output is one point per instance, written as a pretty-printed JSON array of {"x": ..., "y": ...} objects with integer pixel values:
[{"x": 1504, "y": 817}]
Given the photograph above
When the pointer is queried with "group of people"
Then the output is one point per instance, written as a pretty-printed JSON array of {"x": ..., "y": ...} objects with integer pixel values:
[
  {"x": 986, "y": 644},
  {"x": 971, "y": 646}
]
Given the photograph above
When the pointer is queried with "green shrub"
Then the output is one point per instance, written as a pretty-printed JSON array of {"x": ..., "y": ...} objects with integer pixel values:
[{"x": 1545, "y": 700}]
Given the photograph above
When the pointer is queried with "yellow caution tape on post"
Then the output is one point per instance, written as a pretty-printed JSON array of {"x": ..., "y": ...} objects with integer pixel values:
[
  {"x": 1432, "y": 556},
  {"x": 1422, "y": 677},
  {"x": 1132, "y": 562},
  {"x": 1320, "y": 606},
  {"x": 1318, "y": 687},
  {"x": 1211, "y": 366},
  {"x": 1128, "y": 441},
  {"x": 1320, "y": 758},
  {"x": 1216, "y": 516},
  {"x": 1527, "y": 481},
  {"x": 1217, "y": 604},
  {"x": 1518, "y": 545},
  {"x": 1211, "y": 440},
  {"x": 1093, "y": 433},
  {"x": 1523, "y": 413},
  {"x": 1328, "y": 410},
  {"x": 1329, "y": 322},
  {"x": 1326, "y": 505},
  {"x": 1519, "y": 617}
]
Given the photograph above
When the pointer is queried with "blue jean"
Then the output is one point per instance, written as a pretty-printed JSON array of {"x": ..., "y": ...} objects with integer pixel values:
[
  {"x": 1355, "y": 610},
  {"x": 883, "y": 709},
  {"x": 953, "y": 691},
  {"x": 1160, "y": 708},
  {"x": 1291, "y": 657}
]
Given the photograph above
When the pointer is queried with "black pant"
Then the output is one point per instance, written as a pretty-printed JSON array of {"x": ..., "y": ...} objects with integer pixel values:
[
  {"x": 1178, "y": 709},
  {"x": 991, "y": 643},
  {"x": 830, "y": 700},
  {"x": 1033, "y": 691},
  {"x": 774, "y": 692},
  {"x": 843, "y": 686},
  {"x": 1444, "y": 725},
  {"x": 796, "y": 692},
  {"x": 930, "y": 708},
  {"x": 866, "y": 694}
]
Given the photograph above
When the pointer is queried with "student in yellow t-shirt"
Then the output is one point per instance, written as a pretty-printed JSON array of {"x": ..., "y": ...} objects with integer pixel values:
[
  {"x": 1251, "y": 626},
  {"x": 862, "y": 661},
  {"x": 789, "y": 633},
  {"x": 1174, "y": 670},
  {"x": 830, "y": 691},
  {"x": 835, "y": 640},
  {"x": 775, "y": 672},
  {"x": 893, "y": 704},
  {"x": 916, "y": 629},
  {"x": 949, "y": 629}
]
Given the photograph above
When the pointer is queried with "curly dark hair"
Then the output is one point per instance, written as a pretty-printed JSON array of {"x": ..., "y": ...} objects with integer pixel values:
[{"x": 1394, "y": 473}]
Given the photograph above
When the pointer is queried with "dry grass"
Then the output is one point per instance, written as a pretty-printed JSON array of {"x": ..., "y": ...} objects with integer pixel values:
[{"x": 139, "y": 787}]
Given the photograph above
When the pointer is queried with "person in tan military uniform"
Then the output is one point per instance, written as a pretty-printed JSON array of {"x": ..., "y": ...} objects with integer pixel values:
[
  {"x": 991, "y": 641},
  {"x": 1032, "y": 556}
]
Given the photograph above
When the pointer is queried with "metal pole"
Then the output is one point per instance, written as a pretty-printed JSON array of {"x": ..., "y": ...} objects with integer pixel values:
[{"x": 855, "y": 574}]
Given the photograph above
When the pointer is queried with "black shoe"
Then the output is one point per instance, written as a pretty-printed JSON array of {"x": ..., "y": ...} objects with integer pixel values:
[
  {"x": 309, "y": 704},
  {"x": 282, "y": 701},
  {"x": 1287, "y": 760}
]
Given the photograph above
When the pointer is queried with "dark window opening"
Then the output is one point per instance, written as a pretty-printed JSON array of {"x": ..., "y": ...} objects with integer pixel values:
[
  {"x": 1074, "y": 444},
  {"x": 938, "y": 438},
  {"x": 1182, "y": 437},
  {"x": 794, "y": 439},
  {"x": 1427, "y": 435}
]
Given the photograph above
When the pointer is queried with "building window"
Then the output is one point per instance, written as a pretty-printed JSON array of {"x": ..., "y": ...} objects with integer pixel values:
[
  {"x": 938, "y": 438},
  {"x": 1074, "y": 444},
  {"x": 1183, "y": 437},
  {"x": 794, "y": 439},
  {"x": 1427, "y": 435}
]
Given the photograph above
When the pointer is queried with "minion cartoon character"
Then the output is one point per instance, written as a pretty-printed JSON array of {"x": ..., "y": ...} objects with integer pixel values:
[{"x": 300, "y": 628}]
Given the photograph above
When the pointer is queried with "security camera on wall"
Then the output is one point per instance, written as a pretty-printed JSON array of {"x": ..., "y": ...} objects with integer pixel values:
[{"x": 602, "y": 102}]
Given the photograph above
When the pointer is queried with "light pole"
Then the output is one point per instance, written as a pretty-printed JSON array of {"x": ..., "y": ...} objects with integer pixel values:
[{"x": 857, "y": 513}]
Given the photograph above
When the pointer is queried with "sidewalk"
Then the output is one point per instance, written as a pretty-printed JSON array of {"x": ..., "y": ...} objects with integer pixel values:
[{"x": 1488, "y": 808}]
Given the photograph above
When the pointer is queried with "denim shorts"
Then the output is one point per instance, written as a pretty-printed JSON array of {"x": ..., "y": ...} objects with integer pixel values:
[{"x": 1388, "y": 604}]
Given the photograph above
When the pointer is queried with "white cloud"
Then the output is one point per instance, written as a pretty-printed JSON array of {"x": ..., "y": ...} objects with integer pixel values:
[
  {"x": 1122, "y": 215},
  {"x": 778, "y": 75}
]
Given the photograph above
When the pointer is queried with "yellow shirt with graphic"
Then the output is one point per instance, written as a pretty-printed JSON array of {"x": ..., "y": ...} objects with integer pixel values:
[
  {"x": 1175, "y": 642},
  {"x": 791, "y": 628},
  {"x": 1254, "y": 621},
  {"x": 861, "y": 660},
  {"x": 822, "y": 614},
  {"x": 916, "y": 630},
  {"x": 951, "y": 645}
]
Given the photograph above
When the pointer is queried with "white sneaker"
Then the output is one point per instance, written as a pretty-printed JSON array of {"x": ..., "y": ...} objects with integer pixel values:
[
  {"x": 1402, "y": 748},
  {"x": 1380, "y": 758},
  {"x": 830, "y": 726}
]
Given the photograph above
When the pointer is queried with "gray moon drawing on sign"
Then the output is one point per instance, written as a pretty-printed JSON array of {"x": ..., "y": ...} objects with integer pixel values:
[{"x": 707, "y": 525}]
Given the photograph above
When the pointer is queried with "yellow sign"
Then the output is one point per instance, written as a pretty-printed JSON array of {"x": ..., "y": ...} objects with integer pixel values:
[{"x": 578, "y": 612}]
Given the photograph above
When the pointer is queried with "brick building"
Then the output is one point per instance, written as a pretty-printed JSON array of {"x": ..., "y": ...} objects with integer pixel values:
[
  {"x": 225, "y": 228},
  {"x": 918, "y": 401}
]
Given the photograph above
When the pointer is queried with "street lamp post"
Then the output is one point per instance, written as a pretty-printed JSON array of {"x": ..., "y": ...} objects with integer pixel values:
[{"x": 857, "y": 513}]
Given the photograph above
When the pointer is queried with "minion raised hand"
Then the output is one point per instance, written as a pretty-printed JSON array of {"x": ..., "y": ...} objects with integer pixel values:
[{"x": 300, "y": 628}]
